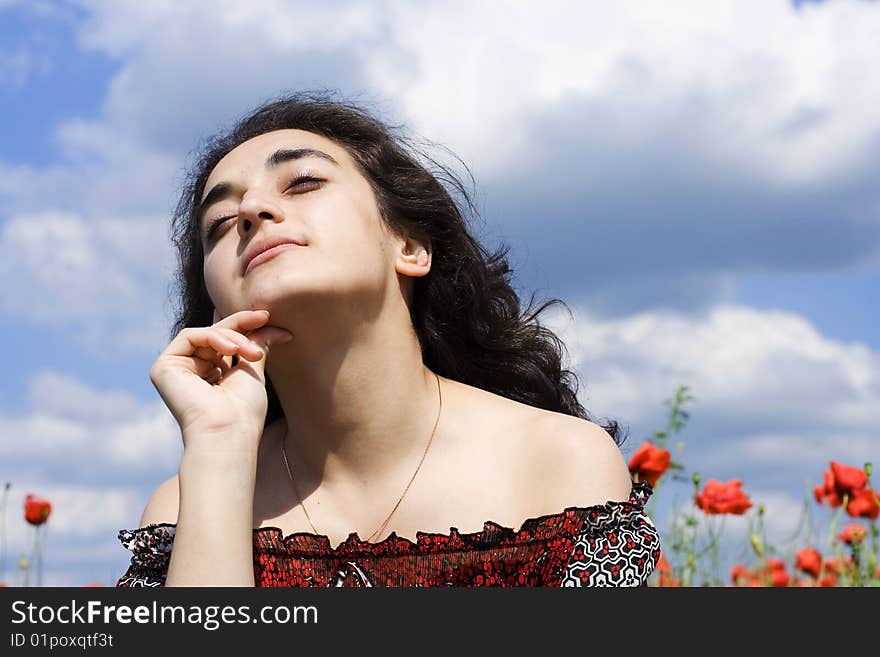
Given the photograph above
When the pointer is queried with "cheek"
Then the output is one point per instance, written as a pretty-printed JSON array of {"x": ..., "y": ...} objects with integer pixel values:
[
  {"x": 371, "y": 236},
  {"x": 367, "y": 255},
  {"x": 212, "y": 282}
]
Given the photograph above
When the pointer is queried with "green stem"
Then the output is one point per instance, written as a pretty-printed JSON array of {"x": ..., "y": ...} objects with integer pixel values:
[
  {"x": 27, "y": 570},
  {"x": 35, "y": 550},
  {"x": 688, "y": 538},
  {"x": 872, "y": 553},
  {"x": 835, "y": 544},
  {"x": 834, "y": 520},
  {"x": 38, "y": 554},
  {"x": 857, "y": 563}
]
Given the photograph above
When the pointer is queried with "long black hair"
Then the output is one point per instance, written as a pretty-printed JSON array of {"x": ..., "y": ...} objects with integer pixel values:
[{"x": 468, "y": 318}]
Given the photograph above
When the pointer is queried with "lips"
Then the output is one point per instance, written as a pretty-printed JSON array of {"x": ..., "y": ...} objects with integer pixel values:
[{"x": 266, "y": 248}]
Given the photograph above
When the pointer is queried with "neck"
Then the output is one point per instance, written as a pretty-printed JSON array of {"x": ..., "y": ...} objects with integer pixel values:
[{"x": 359, "y": 406}]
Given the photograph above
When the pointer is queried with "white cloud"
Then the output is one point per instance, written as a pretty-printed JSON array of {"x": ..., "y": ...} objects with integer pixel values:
[
  {"x": 760, "y": 86},
  {"x": 129, "y": 28},
  {"x": 808, "y": 452},
  {"x": 76, "y": 433},
  {"x": 742, "y": 124},
  {"x": 84, "y": 511},
  {"x": 63, "y": 270},
  {"x": 22, "y": 187},
  {"x": 119, "y": 174},
  {"x": 64, "y": 397},
  {"x": 755, "y": 84},
  {"x": 52, "y": 269},
  {"x": 767, "y": 366}
]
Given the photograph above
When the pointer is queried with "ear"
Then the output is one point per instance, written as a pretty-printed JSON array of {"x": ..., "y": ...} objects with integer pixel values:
[{"x": 413, "y": 258}]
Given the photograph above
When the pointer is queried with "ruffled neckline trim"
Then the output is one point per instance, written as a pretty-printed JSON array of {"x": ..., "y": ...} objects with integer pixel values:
[{"x": 571, "y": 521}]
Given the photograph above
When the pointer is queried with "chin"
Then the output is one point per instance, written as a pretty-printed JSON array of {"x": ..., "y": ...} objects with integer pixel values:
[{"x": 281, "y": 295}]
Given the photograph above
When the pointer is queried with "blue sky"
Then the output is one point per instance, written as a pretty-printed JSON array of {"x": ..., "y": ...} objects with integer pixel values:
[
  {"x": 60, "y": 80},
  {"x": 702, "y": 195}
]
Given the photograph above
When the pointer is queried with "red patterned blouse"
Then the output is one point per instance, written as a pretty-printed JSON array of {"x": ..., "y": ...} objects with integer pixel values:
[{"x": 611, "y": 544}]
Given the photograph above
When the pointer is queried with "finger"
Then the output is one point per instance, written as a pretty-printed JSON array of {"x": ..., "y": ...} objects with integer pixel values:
[
  {"x": 202, "y": 342},
  {"x": 234, "y": 327},
  {"x": 246, "y": 347},
  {"x": 243, "y": 320},
  {"x": 223, "y": 348}
]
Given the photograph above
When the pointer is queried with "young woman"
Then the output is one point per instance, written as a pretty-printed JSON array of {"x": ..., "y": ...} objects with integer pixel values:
[{"x": 361, "y": 400}]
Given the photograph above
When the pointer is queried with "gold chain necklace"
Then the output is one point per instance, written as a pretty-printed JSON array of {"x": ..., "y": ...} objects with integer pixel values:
[{"x": 418, "y": 467}]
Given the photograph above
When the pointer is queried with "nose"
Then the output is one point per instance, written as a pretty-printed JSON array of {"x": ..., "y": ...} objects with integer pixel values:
[{"x": 255, "y": 208}]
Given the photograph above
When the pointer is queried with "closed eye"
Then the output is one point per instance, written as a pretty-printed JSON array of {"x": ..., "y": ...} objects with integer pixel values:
[
  {"x": 302, "y": 178},
  {"x": 214, "y": 226}
]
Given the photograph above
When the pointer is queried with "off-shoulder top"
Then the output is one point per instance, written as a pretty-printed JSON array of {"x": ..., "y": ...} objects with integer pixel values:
[{"x": 611, "y": 544}]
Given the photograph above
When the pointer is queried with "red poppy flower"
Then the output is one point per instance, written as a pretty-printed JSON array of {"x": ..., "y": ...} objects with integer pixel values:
[
  {"x": 775, "y": 564},
  {"x": 774, "y": 571},
  {"x": 739, "y": 573},
  {"x": 841, "y": 480},
  {"x": 720, "y": 497},
  {"x": 36, "y": 510},
  {"x": 809, "y": 561},
  {"x": 649, "y": 462},
  {"x": 826, "y": 491},
  {"x": 852, "y": 533},
  {"x": 828, "y": 581},
  {"x": 848, "y": 479},
  {"x": 864, "y": 504},
  {"x": 779, "y": 578}
]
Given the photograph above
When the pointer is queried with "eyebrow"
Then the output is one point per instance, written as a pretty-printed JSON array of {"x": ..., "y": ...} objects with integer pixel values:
[{"x": 282, "y": 155}]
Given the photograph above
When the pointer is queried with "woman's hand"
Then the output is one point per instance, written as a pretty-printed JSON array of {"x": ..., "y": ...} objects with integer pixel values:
[{"x": 217, "y": 405}]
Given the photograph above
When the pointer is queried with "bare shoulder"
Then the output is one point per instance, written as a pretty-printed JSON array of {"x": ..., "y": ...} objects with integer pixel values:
[
  {"x": 576, "y": 462},
  {"x": 552, "y": 460},
  {"x": 163, "y": 504}
]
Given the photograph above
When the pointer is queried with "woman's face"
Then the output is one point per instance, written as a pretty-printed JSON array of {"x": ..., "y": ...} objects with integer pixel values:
[{"x": 346, "y": 253}]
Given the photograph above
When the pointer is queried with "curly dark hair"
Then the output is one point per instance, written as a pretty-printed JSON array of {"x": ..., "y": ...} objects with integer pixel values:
[{"x": 467, "y": 316}]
